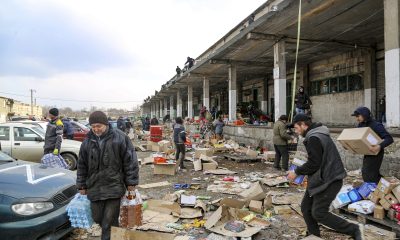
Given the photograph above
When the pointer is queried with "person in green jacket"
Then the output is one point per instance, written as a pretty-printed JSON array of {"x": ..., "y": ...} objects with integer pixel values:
[{"x": 280, "y": 141}]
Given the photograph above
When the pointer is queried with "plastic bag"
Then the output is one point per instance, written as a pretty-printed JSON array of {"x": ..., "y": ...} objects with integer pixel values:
[
  {"x": 131, "y": 210},
  {"x": 55, "y": 161},
  {"x": 79, "y": 212}
]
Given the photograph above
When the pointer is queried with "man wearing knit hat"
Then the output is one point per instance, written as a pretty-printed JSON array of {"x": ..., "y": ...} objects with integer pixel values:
[
  {"x": 107, "y": 167},
  {"x": 54, "y": 133}
]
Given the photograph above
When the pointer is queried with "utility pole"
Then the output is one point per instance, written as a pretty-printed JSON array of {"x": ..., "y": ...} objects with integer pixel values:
[{"x": 32, "y": 91}]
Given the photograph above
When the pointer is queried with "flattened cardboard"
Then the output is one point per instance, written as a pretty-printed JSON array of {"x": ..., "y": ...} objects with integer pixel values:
[
  {"x": 287, "y": 199},
  {"x": 272, "y": 182},
  {"x": 164, "y": 206},
  {"x": 153, "y": 185},
  {"x": 125, "y": 234},
  {"x": 375, "y": 233},
  {"x": 190, "y": 213},
  {"x": 283, "y": 209},
  {"x": 210, "y": 166},
  {"x": 155, "y": 217},
  {"x": 357, "y": 140},
  {"x": 220, "y": 171},
  {"x": 219, "y": 218}
]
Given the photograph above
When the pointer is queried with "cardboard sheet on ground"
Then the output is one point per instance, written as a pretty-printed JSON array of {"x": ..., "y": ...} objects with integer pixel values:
[
  {"x": 272, "y": 182},
  {"x": 294, "y": 220},
  {"x": 287, "y": 198},
  {"x": 125, "y": 234},
  {"x": 164, "y": 207},
  {"x": 231, "y": 188},
  {"x": 200, "y": 205},
  {"x": 190, "y": 213},
  {"x": 188, "y": 200},
  {"x": 150, "y": 216},
  {"x": 155, "y": 227},
  {"x": 233, "y": 203},
  {"x": 224, "y": 214},
  {"x": 148, "y": 160},
  {"x": 220, "y": 171},
  {"x": 153, "y": 185},
  {"x": 259, "y": 222}
]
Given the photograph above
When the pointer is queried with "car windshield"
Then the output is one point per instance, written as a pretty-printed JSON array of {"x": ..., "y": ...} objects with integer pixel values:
[
  {"x": 4, "y": 158},
  {"x": 39, "y": 130}
]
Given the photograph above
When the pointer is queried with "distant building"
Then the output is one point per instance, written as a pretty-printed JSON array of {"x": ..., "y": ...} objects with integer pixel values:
[{"x": 12, "y": 108}]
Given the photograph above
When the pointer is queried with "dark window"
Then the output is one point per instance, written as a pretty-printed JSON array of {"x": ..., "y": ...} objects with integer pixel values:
[
  {"x": 337, "y": 84},
  {"x": 5, "y": 133}
]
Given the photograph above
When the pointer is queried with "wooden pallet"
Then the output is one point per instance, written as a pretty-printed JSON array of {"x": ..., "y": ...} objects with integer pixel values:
[
  {"x": 239, "y": 159},
  {"x": 367, "y": 219}
]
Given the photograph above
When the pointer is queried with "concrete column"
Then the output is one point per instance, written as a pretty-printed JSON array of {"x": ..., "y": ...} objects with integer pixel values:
[
  {"x": 280, "y": 79},
  {"x": 264, "y": 101},
  {"x": 171, "y": 107},
  {"x": 157, "y": 111},
  {"x": 178, "y": 104},
  {"x": 165, "y": 106},
  {"x": 392, "y": 61},
  {"x": 190, "y": 101},
  {"x": 206, "y": 93},
  {"x": 161, "y": 114},
  {"x": 232, "y": 92},
  {"x": 219, "y": 101},
  {"x": 370, "y": 82}
]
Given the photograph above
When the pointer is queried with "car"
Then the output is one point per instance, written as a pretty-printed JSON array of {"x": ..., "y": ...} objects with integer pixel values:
[
  {"x": 80, "y": 131},
  {"x": 33, "y": 200},
  {"x": 26, "y": 141}
]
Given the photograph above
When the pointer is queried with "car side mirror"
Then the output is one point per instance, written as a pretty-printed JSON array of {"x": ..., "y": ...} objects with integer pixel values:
[{"x": 39, "y": 139}]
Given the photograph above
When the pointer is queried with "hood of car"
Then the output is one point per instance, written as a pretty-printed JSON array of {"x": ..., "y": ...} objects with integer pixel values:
[
  {"x": 66, "y": 143},
  {"x": 21, "y": 179}
]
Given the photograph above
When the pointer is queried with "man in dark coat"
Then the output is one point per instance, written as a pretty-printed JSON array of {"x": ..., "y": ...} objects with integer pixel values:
[
  {"x": 107, "y": 167},
  {"x": 303, "y": 101},
  {"x": 54, "y": 133},
  {"x": 179, "y": 140},
  {"x": 121, "y": 124},
  {"x": 325, "y": 172},
  {"x": 372, "y": 163},
  {"x": 154, "y": 121}
]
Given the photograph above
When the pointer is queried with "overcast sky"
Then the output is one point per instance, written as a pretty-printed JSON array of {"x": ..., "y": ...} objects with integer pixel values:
[{"x": 114, "y": 53}]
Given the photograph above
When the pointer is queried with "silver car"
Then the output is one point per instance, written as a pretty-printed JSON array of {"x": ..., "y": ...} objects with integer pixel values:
[{"x": 26, "y": 141}]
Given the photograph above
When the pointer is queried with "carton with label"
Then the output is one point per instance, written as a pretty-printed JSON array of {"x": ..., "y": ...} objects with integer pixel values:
[
  {"x": 387, "y": 184},
  {"x": 358, "y": 140}
]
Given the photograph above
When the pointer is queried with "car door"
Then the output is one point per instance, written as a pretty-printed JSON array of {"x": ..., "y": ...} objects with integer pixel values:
[
  {"x": 26, "y": 145},
  {"x": 5, "y": 139}
]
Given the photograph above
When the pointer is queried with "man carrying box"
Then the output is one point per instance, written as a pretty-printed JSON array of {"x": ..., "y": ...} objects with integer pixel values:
[
  {"x": 325, "y": 172},
  {"x": 372, "y": 163}
]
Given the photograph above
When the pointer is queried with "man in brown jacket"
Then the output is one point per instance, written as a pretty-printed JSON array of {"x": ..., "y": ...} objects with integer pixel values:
[{"x": 280, "y": 140}]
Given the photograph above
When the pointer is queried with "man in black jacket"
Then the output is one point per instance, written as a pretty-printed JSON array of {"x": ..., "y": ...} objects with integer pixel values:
[
  {"x": 107, "y": 167},
  {"x": 372, "y": 163},
  {"x": 325, "y": 172}
]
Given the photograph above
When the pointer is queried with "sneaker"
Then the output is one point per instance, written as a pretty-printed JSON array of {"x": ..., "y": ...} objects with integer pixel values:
[{"x": 359, "y": 234}]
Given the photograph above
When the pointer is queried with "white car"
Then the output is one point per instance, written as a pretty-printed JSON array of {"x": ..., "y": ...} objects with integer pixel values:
[{"x": 25, "y": 141}]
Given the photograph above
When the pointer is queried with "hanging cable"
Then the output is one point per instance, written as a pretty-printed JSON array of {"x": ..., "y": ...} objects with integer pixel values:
[{"x": 295, "y": 64}]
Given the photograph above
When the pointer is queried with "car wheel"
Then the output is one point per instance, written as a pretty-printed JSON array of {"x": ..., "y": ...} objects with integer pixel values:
[{"x": 70, "y": 159}]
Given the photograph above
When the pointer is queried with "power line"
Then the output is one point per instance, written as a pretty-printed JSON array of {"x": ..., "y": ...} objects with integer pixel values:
[{"x": 72, "y": 100}]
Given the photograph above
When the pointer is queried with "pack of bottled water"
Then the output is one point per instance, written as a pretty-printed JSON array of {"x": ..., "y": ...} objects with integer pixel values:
[{"x": 79, "y": 212}]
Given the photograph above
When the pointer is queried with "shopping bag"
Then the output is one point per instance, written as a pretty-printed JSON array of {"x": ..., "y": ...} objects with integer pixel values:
[
  {"x": 131, "y": 210},
  {"x": 79, "y": 212},
  {"x": 55, "y": 161}
]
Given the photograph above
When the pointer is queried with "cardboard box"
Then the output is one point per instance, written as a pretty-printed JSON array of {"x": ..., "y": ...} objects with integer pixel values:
[
  {"x": 374, "y": 197},
  {"x": 375, "y": 233},
  {"x": 396, "y": 192},
  {"x": 364, "y": 207},
  {"x": 379, "y": 212},
  {"x": 210, "y": 166},
  {"x": 256, "y": 206},
  {"x": 391, "y": 214},
  {"x": 149, "y": 145},
  {"x": 255, "y": 192},
  {"x": 357, "y": 140},
  {"x": 206, "y": 151},
  {"x": 385, "y": 204},
  {"x": 155, "y": 148},
  {"x": 251, "y": 153},
  {"x": 391, "y": 199},
  {"x": 283, "y": 209},
  {"x": 165, "y": 169},
  {"x": 197, "y": 164},
  {"x": 233, "y": 203},
  {"x": 387, "y": 184}
]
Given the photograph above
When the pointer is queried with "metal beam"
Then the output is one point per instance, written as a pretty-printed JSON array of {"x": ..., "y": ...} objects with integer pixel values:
[
  {"x": 237, "y": 62},
  {"x": 262, "y": 36}
]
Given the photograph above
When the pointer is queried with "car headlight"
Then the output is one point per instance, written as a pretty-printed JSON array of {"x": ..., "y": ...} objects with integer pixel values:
[{"x": 27, "y": 209}]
